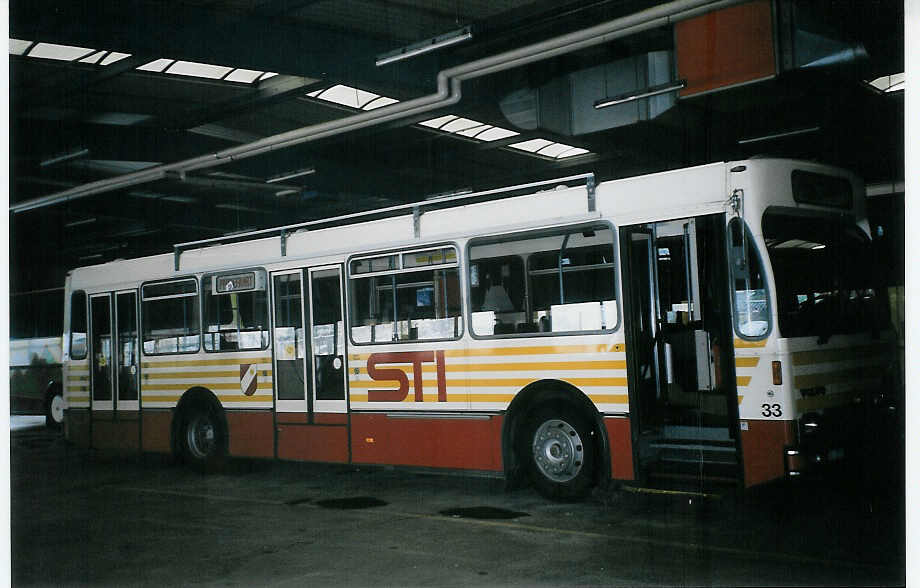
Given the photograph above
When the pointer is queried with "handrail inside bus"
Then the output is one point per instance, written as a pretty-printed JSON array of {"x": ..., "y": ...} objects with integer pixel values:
[{"x": 415, "y": 207}]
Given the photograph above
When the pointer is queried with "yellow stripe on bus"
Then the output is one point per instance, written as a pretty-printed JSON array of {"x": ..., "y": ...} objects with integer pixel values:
[
  {"x": 77, "y": 398},
  {"x": 746, "y": 362},
  {"x": 206, "y": 362},
  {"x": 742, "y": 344},
  {"x": 212, "y": 386},
  {"x": 832, "y": 355},
  {"x": 198, "y": 375},
  {"x": 221, "y": 397},
  {"x": 531, "y": 350},
  {"x": 489, "y": 383},
  {"x": 743, "y": 380},
  {"x": 508, "y": 367}
]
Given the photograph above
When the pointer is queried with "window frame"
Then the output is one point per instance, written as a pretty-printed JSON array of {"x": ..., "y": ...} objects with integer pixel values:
[
  {"x": 549, "y": 231},
  {"x": 143, "y": 299},
  {"x": 203, "y": 300},
  {"x": 399, "y": 252},
  {"x": 768, "y": 282}
]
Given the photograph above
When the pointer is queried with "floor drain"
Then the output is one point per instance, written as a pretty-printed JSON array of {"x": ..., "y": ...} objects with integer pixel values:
[
  {"x": 483, "y": 512},
  {"x": 351, "y": 503}
]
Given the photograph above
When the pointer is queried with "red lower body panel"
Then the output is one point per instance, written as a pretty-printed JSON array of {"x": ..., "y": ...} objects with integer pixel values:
[
  {"x": 328, "y": 443},
  {"x": 121, "y": 433},
  {"x": 155, "y": 432},
  {"x": 619, "y": 435},
  {"x": 762, "y": 446},
  {"x": 251, "y": 433},
  {"x": 77, "y": 427},
  {"x": 419, "y": 440}
]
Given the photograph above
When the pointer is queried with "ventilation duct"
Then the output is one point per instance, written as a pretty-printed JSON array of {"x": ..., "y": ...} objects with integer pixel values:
[{"x": 565, "y": 105}]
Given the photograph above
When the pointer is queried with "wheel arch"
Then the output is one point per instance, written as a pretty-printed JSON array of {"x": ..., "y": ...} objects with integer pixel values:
[
  {"x": 194, "y": 398},
  {"x": 536, "y": 394}
]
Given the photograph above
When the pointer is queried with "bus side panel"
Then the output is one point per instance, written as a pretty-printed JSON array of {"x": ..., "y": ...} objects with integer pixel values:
[
  {"x": 155, "y": 431},
  {"x": 621, "y": 453},
  {"x": 302, "y": 442},
  {"x": 251, "y": 433},
  {"x": 122, "y": 435},
  {"x": 77, "y": 426},
  {"x": 417, "y": 440},
  {"x": 763, "y": 445}
]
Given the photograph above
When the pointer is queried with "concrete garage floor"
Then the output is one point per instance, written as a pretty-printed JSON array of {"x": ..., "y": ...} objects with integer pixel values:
[{"x": 81, "y": 518}]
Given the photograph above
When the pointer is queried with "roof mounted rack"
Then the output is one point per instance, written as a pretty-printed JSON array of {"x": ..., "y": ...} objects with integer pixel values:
[{"x": 417, "y": 208}]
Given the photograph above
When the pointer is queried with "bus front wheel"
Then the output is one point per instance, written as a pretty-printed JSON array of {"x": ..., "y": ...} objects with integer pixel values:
[
  {"x": 560, "y": 453},
  {"x": 54, "y": 408}
]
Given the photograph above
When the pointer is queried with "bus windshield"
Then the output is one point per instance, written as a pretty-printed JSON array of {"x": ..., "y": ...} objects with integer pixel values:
[{"x": 823, "y": 269}]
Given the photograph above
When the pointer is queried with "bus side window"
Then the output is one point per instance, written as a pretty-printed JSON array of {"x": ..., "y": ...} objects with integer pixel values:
[
  {"x": 751, "y": 307},
  {"x": 78, "y": 325},
  {"x": 170, "y": 317},
  {"x": 236, "y": 319}
]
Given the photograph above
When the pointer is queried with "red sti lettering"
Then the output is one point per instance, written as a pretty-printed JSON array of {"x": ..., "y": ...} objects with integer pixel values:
[{"x": 416, "y": 358}]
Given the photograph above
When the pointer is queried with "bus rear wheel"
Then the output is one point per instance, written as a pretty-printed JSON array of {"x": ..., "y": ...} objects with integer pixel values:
[
  {"x": 202, "y": 439},
  {"x": 560, "y": 453}
]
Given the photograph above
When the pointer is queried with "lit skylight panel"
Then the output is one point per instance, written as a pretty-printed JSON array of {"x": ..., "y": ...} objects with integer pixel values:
[
  {"x": 199, "y": 70},
  {"x": 113, "y": 57},
  {"x": 531, "y": 146},
  {"x": 156, "y": 66},
  {"x": 379, "y": 102},
  {"x": 891, "y": 83},
  {"x": 437, "y": 123},
  {"x": 266, "y": 75},
  {"x": 572, "y": 152},
  {"x": 347, "y": 96},
  {"x": 460, "y": 125},
  {"x": 246, "y": 76},
  {"x": 496, "y": 134},
  {"x": 95, "y": 57},
  {"x": 18, "y": 47},
  {"x": 59, "y": 52}
]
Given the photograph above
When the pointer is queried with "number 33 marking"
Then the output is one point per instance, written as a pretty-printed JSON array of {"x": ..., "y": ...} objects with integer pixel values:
[{"x": 771, "y": 410}]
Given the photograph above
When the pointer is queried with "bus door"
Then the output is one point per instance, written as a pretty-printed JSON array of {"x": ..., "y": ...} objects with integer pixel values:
[
  {"x": 309, "y": 364},
  {"x": 678, "y": 327},
  {"x": 115, "y": 372}
]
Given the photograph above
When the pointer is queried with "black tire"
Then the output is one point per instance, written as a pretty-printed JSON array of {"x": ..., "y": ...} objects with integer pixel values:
[
  {"x": 202, "y": 437},
  {"x": 54, "y": 408},
  {"x": 558, "y": 448}
]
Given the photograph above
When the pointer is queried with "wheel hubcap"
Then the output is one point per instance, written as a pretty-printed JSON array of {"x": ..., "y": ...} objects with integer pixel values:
[
  {"x": 201, "y": 436},
  {"x": 558, "y": 450}
]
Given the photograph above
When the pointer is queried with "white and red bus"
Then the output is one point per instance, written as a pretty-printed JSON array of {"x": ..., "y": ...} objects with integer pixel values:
[{"x": 717, "y": 321}]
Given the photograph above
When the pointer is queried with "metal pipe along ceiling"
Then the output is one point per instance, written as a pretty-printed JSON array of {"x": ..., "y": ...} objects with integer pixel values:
[{"x": 448, "y": 92}]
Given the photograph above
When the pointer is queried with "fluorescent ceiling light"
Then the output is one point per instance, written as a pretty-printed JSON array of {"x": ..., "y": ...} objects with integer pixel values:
[
  {"x": 59, "y": 52},
  {"x": 633, "y": 96},
  {"x": 892, "y": 83},
  {"x": 432, "y": 44},
  {"x": 291, "y": 175},
  {"x": 286, "y": 192},
  {"x": 64, "y": 157},
  {"x": 77, "y": 223},
  {"x": 18, "y": 47},
  {"x": 779, "y": 135}
]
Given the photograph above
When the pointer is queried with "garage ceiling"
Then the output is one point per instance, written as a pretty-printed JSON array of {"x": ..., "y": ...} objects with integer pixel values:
[{"x": 99, "y": 90}]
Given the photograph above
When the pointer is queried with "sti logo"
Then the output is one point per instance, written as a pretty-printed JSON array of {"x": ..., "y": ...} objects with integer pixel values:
[{"x": 416, "y": 358}]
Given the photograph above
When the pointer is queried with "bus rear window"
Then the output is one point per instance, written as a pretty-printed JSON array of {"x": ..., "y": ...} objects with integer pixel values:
[
  {"x": 78, "y": 325},
  {"x": 821, "y": 189}
]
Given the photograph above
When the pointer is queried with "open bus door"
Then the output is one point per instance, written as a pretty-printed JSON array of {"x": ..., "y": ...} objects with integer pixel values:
[
  {"x": 683, "y": 395},
  {"x": 309, "y": 364}
]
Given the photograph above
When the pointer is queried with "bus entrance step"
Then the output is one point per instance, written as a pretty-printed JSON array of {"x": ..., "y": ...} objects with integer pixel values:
[{"x": 692, "y": 474}]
